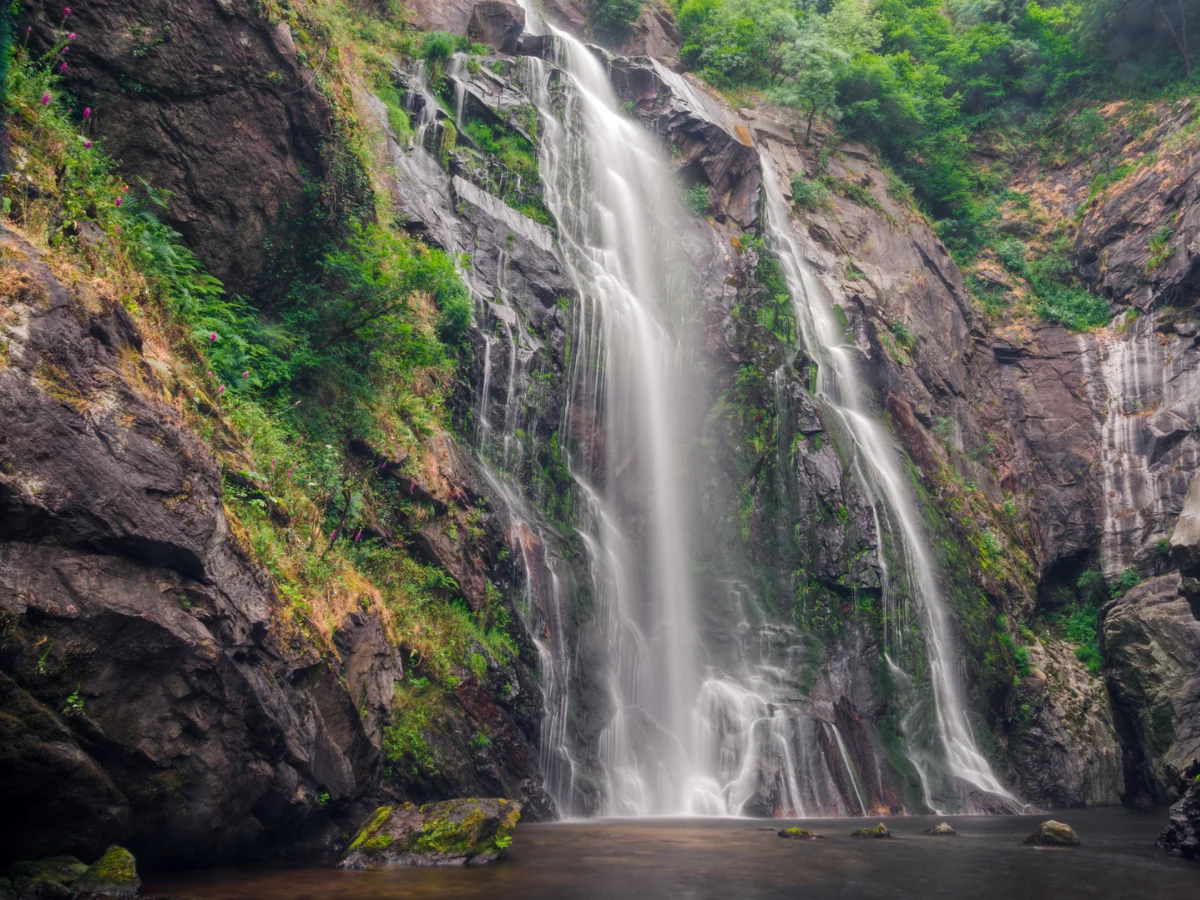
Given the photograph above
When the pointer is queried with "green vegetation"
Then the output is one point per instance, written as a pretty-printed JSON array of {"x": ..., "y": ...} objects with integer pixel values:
[
  {"x": 612, "y": 18},
  {"x": 696, "y": 200},
  {"x": 301, "y": 391},
  {"x": 929, "y": 81}
]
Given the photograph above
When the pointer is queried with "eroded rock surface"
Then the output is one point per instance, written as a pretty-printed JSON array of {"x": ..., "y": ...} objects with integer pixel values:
[{"x": 451, "y": 833}]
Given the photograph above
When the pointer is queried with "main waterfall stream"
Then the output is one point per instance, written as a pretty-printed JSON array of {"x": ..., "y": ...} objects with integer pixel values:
[{"x": 681, "y": 736}]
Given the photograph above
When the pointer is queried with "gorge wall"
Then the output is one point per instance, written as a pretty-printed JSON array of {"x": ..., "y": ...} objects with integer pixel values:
[{"x": 217, "y": 727}]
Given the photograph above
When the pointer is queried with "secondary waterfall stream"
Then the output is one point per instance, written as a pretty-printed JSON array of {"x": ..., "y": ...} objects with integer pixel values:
[{"x": 680, "y": 735}]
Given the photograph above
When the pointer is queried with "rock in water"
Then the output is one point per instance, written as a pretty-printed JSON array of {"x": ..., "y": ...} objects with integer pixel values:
[
  {"x": 1053, "y": 834},
  {"x": 879, "y": 831},
  {"x": 1182, "y": 836},
  {"x": 798, "y": 834},
  {"x": 451, "y": 833},
  {"x": 941, "y": 829},
  {"x": 112, "y": 875}
]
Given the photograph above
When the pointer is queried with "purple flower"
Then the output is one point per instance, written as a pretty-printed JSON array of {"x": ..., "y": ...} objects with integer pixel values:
[
  {"x": 221, "y": 389},
  {"x": 212, "y": 338},
  {"x": 46, "y": 99},
  {"x": 66, "y": 11},
  {"x": 63, "y": 67},
  {"x": 87, "y": 113},
  {"x": 118, "y": 201},
  {"x": 210, "y": 375},
  {"x": 333, "y": 537},
  {"x": 28, "y": 28},
  {"x": 71, "y": 36},
  {"x": 246, "y": 374},
  {"x": 358, "y": 537},
  {"x": 88, "y": 144}
]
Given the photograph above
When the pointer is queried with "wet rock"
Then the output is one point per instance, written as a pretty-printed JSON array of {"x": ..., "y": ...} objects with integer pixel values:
[
  {"x": 798, "y": 834},
  {"x": 113, "y": 875},
  {"x": 498, "y": 24},
  {"x": 441, "y": 15},
  {"x": 654, "y": 34},
  {"x": 942, "y": 829},
  {"x": 1181, "y": 837},
  {"x": 451, "y": 833},
  {"x": 1065, "y": 748},
  {"x": 1053, "y": 834},
  {"x": 43, "y": 879},
  {"x": 1152, "y": 645},
  {"x": 1185, "y": 539},
  {"x": 877, "y": 831}
]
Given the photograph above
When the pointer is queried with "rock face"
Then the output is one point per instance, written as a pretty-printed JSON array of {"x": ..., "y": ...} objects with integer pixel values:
[
  {"x": 1068, "y": 754},
  {"x": 112, "y": 875},
  {"x": 233, "y": 146},
  {"x": 452, "y": 833},
  {"x": 497, "y": 23},
  {"x": 1181, "y": 837},
  {"x": 1152, "y": 641},
  {"x": 1053, "y": 834},
  {"x": 1185, "y": 539},
  {"x": 654, "y": 34}
]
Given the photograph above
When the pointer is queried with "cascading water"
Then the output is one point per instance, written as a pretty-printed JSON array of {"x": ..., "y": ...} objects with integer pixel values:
[
  {"x": 839, "y": 388},
  {"x": 611, "y": 195}
]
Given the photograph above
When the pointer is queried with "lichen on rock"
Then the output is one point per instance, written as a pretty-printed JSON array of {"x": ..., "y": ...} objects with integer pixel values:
[
  {"x": 450, "y": 833},
  {"x": 1053, "y": 834},
  {"x": 112, "y": 875}
]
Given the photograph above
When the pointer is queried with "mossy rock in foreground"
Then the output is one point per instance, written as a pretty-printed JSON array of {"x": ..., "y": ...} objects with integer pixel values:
[
  {"x": 798, "y": 834},
  {"x": 1053, "y": 834},
  {"x": 450, "y": 833},
  {"x": 879, "y": 831},
  {"x": 112, "y": 875}
]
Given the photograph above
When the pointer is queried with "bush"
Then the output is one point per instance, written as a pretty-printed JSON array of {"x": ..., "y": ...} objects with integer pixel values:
[
  {"x": 811, "y": 194},
  {"x": 696, "y": 200},
  {"x": 439, "y": 46},
  {"x": 613, "y": 17}
]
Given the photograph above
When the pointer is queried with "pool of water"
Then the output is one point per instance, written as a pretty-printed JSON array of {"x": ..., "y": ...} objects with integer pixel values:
[{"x": 699, "y": 859}]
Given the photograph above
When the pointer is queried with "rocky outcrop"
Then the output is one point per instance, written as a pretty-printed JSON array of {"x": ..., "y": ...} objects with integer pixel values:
[
  {"x": 654, "y": 34},
  {"x": 1152, "y": 644},
  {"x": 1181, "y": 837},
  {"x": 497, "y": 24},
  {"x": 440, "y": 15},
  {"x": 1065, "y": 747},
  {"x": 206, "y": 100},
  {"x": 146, "y": 697},
  {"x": 1185, "y": 539},
  {"x": 452, "y": 833}
]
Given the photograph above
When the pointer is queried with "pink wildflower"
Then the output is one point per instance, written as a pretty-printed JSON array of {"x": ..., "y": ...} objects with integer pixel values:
[
  {"x": 210, "y": 375},
  {"x": 46, "y": 99},
  {"x": 63, "y": 67},
  {"x": 221, "y": 389},
  {"x": 118, "y": 201},
  {"x": 87, "y": 113},
  {"x": 118, "y": 229},
  {"x": 66, "y": 11},
  {"x": 358, "y": 537},
  {"x": 333, "y": 537},
  {"x": 246, "y": 374},
  {"x": 71, "y": 36},
  {"x": 88, "y": 144},
  {"x": 125, "y": 190},
  {"x": 212, "y": 338}
]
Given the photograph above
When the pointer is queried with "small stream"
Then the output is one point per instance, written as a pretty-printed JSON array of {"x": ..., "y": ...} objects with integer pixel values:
[{"x": 698, "y": 859}]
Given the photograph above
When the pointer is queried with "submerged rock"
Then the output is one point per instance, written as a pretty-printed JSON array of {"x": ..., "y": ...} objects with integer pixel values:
[
  {"x": 798, "y": 834},
  {"x": 940, "y": 829},
  {"x": 1051, "y": 833},
  {"x": 879, "y": 831},
  {"x": 451, "y": 833}
]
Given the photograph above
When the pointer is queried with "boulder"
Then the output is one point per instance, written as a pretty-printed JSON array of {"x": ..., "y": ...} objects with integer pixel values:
[
  {"x": 942, "y": 829},
  {"x": 440, "y": 15},
  {"x": 879, "y": 831},
  {"x": 654, "y": 34},
  {"x": 112, "y": 875},
  {"x": 1053, "y": 834},
  {"x": 44, "y": 878},
  {"x": 798, "y": 834},
  {"x": 450, "y": 833},
  {"x": 498, "y": 24}
]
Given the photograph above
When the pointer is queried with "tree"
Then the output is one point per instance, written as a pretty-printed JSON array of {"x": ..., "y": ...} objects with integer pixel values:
[{"x": 813, "y": 67}]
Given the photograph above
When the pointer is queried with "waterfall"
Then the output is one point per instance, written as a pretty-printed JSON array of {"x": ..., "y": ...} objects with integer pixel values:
[
  {"x": 840, "y": 390},
  {"x": 611, "y": 194}
]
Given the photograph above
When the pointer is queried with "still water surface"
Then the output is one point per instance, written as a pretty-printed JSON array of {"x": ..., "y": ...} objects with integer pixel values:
[{"x": 690, "y": 859}]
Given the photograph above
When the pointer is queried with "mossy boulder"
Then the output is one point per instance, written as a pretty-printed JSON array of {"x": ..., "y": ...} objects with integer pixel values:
[
  {"x": 112, "y": 875},
  {"x": 879, "y": 831},
  {"x": 450, "y": 833},
  {"x": 1053, "y": 834},
  {"x": 941, "y": 829},
  {"x": 58, "y": 869},
  {"x": 798, "y": 834}
]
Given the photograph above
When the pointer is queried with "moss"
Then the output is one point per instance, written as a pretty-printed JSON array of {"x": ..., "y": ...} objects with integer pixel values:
[
  {"x": 378, "y": 843},
  {"x": 114, "y": 874},
  {"x": 377, "y": 821},
  {"x": 878, "y": 831},
  {"x": 58, "y": 869}
]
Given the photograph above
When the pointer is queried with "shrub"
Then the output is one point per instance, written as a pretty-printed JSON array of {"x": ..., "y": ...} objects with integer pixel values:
[
  {"x": 808, "y": 193},
  {"x": 696, "y": 200}
]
